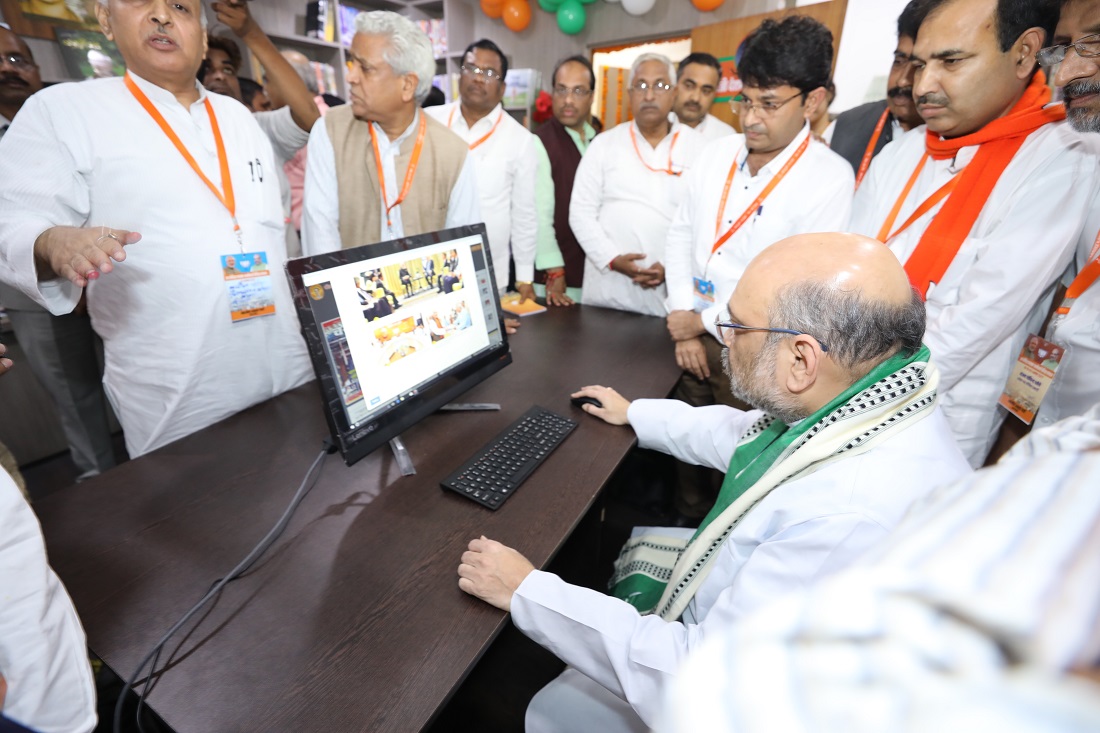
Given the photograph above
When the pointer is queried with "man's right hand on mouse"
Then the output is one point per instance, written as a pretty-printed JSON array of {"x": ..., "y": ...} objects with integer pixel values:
[{"x": 614, "y": 404}]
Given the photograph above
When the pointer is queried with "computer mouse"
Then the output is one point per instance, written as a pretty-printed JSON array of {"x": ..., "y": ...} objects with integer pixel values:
[{"x": 579, "y": 401}]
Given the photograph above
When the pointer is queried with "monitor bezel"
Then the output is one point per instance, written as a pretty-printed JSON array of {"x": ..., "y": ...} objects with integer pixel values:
[{"x": 445, "y": 387}]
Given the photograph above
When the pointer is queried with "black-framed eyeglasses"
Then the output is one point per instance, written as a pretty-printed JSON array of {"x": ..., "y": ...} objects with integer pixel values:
[
  {"x": 658, "y": 87},
  {"x": 743, "y": 106},
  {"x": 719, "y": 325},
  {"x": 578, "y": 92},
  {"x": 486, "y": 74},
  {"x": 17, "y": 61},
  {"x": 1087, "y": 47}
]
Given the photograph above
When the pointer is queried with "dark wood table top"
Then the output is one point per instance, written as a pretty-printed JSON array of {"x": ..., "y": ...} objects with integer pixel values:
[{"x": 353, "y": 620}]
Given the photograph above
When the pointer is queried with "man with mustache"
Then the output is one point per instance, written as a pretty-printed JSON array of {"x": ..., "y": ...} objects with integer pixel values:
[
  {"x": 627, "y": 188},
  {"x": 504, "y": 158},
  {"x": 749, "y": 191},
  {"x": 697, "y": 80},
  {"x": 135, "y": 189},
  {"x": 60, "y": 350},
  {"x": 1075, "y": 52},
  {"x": 984, "y": 208},
  {"x": 562, "y": 141},
  {"x": 823, "y": 338},
  {"x": 860, "y": 134}
]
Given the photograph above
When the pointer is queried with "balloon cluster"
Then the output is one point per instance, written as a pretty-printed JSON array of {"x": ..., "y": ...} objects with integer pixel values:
[{"x": 515, "y": 13}]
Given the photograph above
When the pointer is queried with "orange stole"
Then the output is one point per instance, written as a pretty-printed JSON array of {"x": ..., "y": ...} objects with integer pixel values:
[{"x": 999, "y": 141}]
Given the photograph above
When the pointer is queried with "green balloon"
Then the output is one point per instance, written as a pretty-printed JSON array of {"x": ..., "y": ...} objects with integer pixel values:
[
  {"x": 550, "y": 6},
  {"x": 571, "y": 17}
]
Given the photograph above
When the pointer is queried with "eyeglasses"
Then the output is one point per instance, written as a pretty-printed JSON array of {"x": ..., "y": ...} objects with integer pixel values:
[
  {"x": 16, "y": 61},
  {"x": 763, "y": 109},
  {"x": 578, "y": 92},
  {"x": 486, "y": 74},
  {"x": 658, "y": 87},
  {"x": 719, "y": 325},
  {"x": 1087, "y": 47}
]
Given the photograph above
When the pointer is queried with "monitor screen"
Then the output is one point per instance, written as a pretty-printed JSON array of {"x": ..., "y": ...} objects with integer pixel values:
[{"x": 397, "y": 329}]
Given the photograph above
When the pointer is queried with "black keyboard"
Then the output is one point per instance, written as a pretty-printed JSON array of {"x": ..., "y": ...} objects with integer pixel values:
[{"x": 495, "y": 471}]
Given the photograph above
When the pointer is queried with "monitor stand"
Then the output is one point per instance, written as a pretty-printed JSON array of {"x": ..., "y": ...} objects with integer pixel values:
[{"x": 401, "y": 454}]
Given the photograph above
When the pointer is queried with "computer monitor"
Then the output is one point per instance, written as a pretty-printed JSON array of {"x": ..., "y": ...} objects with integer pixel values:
[{"x": 397, "y": 329}]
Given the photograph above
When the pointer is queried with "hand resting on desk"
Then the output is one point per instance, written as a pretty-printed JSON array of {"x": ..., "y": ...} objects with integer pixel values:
[
  {"x": 492, "y": 572},
  {"x": 614, "y": 404}
]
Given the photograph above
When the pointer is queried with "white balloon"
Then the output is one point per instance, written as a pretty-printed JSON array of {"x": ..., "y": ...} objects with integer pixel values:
[{"x": 638, "y": 7}]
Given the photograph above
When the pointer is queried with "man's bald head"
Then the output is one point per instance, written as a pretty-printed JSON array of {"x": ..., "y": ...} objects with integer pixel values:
[{"x": 851, "y": 304}]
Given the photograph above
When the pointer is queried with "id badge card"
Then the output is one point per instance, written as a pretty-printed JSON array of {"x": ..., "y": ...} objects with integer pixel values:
[
  {"x": 703, "y": 294},
  {"x": 1031, "y": 377},
  {"x": 248, "y": 281}
]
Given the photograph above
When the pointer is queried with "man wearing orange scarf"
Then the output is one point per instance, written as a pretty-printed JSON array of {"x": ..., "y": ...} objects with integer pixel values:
[{"x": 983, "y": 204}]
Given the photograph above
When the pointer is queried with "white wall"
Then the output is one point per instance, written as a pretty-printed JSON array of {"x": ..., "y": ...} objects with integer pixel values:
[{"x": 869, "y": 38}]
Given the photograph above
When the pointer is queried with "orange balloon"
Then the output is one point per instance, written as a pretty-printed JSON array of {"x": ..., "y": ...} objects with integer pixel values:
[
  {"x": 516, "y": 14},
  {"x": 707, "y": 5},
  {"x": 492, "y": 8}
]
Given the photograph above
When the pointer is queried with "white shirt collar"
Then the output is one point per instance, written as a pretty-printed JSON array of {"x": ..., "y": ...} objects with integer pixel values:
[
  {"x": 383, "y": 140},
  {"x": 778, "y": 161},
  {"x": 458, "y": 122},
  {"x": 674, "y": 127},
  {"x": 160, "y": 95}
]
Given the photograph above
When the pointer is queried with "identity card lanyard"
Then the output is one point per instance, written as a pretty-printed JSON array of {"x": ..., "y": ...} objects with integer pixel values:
[
  {"x": 1084, "y": 280},
  {"x": 671, "y": 145},
  {"x": 227, "y": 198},
  {"x": 943, "y": 192},
  {"x": 409, "y": 172},
  {"x": 755, "y": 205},
  {"x": 488, "y": 135},
  {"x": 870, "y": 152}
]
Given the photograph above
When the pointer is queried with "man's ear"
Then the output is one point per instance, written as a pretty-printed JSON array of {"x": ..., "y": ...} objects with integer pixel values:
[
  {"x": 103, "y": 15},
  {"x": 408, "y": 89},
  {"x": 804, "y": 358},
  {"x": 1024, "y": 50},
  {"x": 814, "y": 100}
]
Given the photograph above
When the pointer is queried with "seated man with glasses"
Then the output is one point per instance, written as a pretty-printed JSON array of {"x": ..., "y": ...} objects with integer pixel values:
[
  {"x": 503, "y": 152},
  {"x": 562, "y": 140},
  {"x": 747, "y": 192},
  {"x": 627, "y": 187},
  {"x": 823, "y": 337}
]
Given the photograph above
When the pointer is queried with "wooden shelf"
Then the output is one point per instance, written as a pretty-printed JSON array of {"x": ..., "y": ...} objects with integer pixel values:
[{"x": 303, "y": 41}]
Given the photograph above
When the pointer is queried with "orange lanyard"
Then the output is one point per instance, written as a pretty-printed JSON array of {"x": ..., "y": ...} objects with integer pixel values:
[
  {"x": 227, "y": 199},
  {"x": 488, "y": 135},
  {"x": 1084, "y": 280},
  {"x": 759, "y": 199},
  {"x": 943, "y": 192},
  {"x": 409, "y": 172},
  {"x": 667, "y": 171},
  {"x": 870, "y": 152}
]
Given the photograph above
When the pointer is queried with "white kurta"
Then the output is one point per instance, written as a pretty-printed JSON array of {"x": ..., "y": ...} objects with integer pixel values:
[
  {"x": 801, "y": 531},
  {"x": 506, "y": 165},
  {"x": 814, "y": 196},
  {"x": 999, "y": 287},
  {"x": 1076, "y": 385},
  {"x": 712, "y": 128},
  {"x": 175, "y": 362},
  {"x": 620, "y": 206},
  {"x": 321, "y": 200},
  {"x": 43, "y": 651}
]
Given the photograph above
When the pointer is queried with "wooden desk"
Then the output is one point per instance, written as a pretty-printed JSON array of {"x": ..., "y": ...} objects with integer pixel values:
[{"x": 353, "y": 621}]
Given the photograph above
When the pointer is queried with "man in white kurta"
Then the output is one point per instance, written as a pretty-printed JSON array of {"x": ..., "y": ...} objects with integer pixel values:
[
  {"x": 175, "y": 361},
  {"x": 998, "y": 287},
  {"x": 43, "y": 651},
  {"x": 504, "y": 157},
  {"x": 807, "y": 527},
  {"x": 697, "y": 78},
  {"x": 625, "y": 193}
]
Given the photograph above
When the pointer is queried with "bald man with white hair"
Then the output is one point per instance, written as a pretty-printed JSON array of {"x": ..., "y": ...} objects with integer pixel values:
[
  {"x": 129, "y": 200},
  {"x": 824, "y": 337}
]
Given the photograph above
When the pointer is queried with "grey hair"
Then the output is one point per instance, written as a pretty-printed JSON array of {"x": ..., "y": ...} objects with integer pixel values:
[
  {"x": 860, "y": 332},
  {"x": 410, "y": 50},
  {"x": 651, "y": 57},
  {"x": 202, "y": 11},
  {"x": 305, "y": 73}
]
